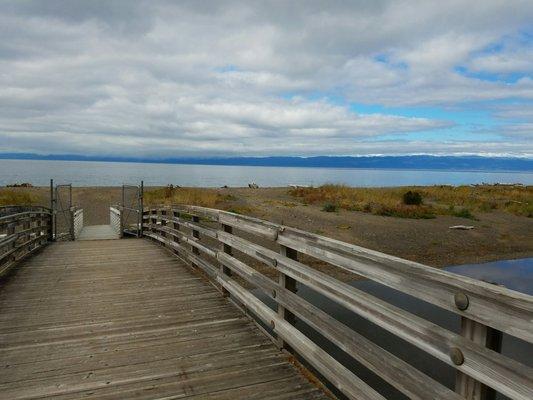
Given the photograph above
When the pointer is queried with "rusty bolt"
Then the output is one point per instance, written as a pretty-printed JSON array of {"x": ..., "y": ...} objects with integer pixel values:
[
  {"x": 461, "y": 301},
  {"x": 456, "y": 356}
]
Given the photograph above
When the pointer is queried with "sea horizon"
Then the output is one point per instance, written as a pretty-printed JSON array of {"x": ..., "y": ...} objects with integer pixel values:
[{"x": 115, "y": 173}]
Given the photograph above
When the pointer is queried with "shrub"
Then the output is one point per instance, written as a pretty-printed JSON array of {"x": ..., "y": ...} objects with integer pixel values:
[
  {"x": 330, "y": 207},
  {"x": 412, "y": 198},
  {"x": 464, "y": 213}
]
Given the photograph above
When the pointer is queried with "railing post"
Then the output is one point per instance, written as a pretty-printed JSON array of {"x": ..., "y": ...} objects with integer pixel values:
[
  {"x": 162, "y": 215},
  {"x": 121, "y": 221},
  {"x": 290, "y": 284},
  {"x": 466, "y": 386},
  {"x": 175, "y": 227},
  {"x": 11, "y": 229},
  {"x": 72, "y": 211},
  {"x": 52, "y": 212},
  {"x": 195, "y": 234},
  {"x": 226, "y": 249},
  {"x": 141, "y": 210}
]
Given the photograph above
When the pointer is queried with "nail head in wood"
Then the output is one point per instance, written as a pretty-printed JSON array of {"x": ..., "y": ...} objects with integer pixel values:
[{"x": 461, "y": 301}]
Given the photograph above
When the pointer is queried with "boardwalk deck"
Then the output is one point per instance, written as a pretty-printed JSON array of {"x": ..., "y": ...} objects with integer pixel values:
[
  {"x": 98, "y": 232},
  {"x": 124, "y": 319}
]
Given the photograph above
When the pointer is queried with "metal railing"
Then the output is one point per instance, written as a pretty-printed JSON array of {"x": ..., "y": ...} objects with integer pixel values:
[
  {"x": 223, "y": 245},
  {"x": 131, "y": 209},
  {"x": 23, "y": 231}
]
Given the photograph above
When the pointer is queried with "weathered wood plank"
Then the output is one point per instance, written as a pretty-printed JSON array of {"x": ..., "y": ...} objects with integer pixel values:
[
  {"x": 102, "y": 324},
  {"x": 506, "y": 310},
  {"x": 488, "y": 367}
]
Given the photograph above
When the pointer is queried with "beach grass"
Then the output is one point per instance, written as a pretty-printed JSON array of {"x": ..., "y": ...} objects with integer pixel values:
[
  {"x": 460, "y": 201},
  {"x": 17, "y": 197},
  {"x": 177, "y": 195}
]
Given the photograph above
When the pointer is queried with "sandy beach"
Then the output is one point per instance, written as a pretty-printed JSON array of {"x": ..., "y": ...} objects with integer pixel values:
[{"x": 496, "y": 234}]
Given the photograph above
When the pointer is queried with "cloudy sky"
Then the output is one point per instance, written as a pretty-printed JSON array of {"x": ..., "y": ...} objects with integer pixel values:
[{"x": 215, "y": 78}]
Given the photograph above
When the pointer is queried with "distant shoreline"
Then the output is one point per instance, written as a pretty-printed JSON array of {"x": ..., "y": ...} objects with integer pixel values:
[
  {"x": 497, "y": 235},
  {"x": 399, "y": 163}
]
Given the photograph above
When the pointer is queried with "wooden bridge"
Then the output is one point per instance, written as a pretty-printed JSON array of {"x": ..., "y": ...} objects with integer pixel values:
[{"x": 175, "y": 313}]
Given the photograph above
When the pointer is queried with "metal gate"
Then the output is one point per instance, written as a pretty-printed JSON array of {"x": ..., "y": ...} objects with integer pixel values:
[
  {"x": 61, "y": 199},
  {"x": 132, "y": 209}
]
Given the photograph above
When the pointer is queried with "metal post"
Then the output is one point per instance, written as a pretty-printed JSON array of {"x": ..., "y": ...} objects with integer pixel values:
[
  {"x": 72, "y": 211},
  {"x": 141, "y": 208},
  {"x": 51, "y": 228}
]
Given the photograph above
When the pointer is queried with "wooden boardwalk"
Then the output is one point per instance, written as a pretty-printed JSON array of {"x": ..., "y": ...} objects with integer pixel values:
[
  {"x": 124, "y": 319},
  {"x": 97, "y": 232}
]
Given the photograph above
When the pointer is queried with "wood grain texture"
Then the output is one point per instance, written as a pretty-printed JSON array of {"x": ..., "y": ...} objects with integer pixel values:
[
  {"x": 480, "y": 363},
  {"x": 503, "y": 309},
  {"x": 124, "y": 319}
]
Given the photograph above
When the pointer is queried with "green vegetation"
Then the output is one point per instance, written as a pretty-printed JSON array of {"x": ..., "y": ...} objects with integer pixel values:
[
  {"x": 422, "y": 201},
  {"x": 330, "y": 207},
  {"x": 412, "y": 198}
]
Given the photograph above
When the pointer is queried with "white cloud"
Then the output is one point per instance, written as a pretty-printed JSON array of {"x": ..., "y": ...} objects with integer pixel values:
[{"x": 248, "y": 77}]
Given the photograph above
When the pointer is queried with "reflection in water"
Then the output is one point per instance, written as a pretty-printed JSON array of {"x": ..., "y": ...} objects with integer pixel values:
[{"x": 513, "y": 274}]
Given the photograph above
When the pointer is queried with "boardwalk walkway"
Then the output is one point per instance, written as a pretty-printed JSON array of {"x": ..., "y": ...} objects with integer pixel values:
[
  {"x": 98, "y": 232},
  {"x": 124, "y": 319}
]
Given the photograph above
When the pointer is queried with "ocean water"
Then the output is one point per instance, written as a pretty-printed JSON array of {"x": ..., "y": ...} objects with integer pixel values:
[{"x": 84, "y": 173}]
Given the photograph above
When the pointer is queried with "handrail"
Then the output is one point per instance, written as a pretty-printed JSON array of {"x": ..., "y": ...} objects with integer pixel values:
[
  {"x": 492, "y": 305},
  {"x": 77, "y": 222},
  {"x": 23, "y": 232},
  {"x": 179, "y": 228},
  {"x": 115, "y": 219}
]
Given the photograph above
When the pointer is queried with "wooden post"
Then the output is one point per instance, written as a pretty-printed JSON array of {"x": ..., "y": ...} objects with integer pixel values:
[
  {"x": 466, "y": 386},
  {"x": 121, "y": 221},
  {"x": 162, "y": 215},
  {"x": 226, "y": 249},
  {"x": 11, "y": 229},
  {"x": 196, "y": 235},
  {"x": 290, "y": 284},
  {"x": 176, "y": 227}
]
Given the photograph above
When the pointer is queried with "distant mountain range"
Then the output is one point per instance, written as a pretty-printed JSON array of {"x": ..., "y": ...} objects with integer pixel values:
[{"x": 462, "y": 163}]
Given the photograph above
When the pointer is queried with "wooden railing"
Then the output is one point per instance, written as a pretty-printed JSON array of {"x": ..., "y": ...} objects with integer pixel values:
[
  {"x": 223, "y": 243},
  {"x": 23, "y": 230},
  {"x": 115, "y": 219},
  {"x": 77, "y": 222}
]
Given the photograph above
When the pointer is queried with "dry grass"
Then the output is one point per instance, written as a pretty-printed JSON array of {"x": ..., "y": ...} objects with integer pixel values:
[
  {"x": 193, "y": 196},
  {"x": 460, "y": 201},
  {"x": 17, "y": 197}
]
